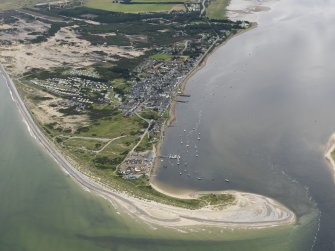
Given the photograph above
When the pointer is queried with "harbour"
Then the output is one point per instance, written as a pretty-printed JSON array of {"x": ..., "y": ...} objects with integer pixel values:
[{"x": 264, "y": 123}]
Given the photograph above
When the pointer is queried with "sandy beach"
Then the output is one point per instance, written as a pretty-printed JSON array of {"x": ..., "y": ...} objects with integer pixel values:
[
  {"x": 247, "y": 211},
  {"x": 330, "y": 147},
  {"x": 172, "y": 111}
]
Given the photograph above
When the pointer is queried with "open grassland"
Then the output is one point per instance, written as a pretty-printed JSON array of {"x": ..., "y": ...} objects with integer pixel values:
[
  {"x": 113, "y": 127},
  {"x": 161, "y": 56},
  {"x": 132, "y": 8},
  {"x": 217, "y": 9},
  {"x": 88, "y": 145}
]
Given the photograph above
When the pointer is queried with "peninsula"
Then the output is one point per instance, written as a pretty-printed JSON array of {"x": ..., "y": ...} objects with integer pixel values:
[{"x": 95, "y": 89}]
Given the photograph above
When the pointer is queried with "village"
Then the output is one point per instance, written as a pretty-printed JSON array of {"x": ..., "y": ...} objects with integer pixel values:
[
  {"x": 134, "y": 83},
  {"x": 153, "y": 91}
]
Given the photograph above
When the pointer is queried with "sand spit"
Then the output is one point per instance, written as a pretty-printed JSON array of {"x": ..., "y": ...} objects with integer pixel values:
[
  {"x": 330, "y": 148},
  {"x": 248, "y": 210}
]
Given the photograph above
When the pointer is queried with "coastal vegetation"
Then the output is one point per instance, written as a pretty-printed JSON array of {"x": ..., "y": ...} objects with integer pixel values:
[{"x": 102, "y": 88}]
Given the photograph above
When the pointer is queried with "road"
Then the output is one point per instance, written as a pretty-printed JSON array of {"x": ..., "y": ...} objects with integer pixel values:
[{"x": 203, "y": 8}]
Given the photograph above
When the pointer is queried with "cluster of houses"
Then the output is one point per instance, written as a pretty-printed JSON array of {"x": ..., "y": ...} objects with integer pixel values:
[
  {"x": 136, "y": 165},
  {"x": 75, "y": 88},
  {"x": 156, "y": 80}
]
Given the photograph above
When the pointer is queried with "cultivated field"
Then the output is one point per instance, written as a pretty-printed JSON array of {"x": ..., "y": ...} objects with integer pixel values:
[{"x": 134, "y": 8}]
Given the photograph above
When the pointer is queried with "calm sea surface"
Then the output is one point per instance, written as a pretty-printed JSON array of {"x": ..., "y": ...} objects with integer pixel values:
[
  {"x": 262, "y": 109},
  {"x": 41, "y": 208}
]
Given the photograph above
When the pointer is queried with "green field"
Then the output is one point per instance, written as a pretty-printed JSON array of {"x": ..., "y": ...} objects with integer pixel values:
[
  {"x": 161, "y": 56},
  {"x": 114, "y": 127},
  {"x": 131, "y": 8},
  {"x": 217, "y": 9}
]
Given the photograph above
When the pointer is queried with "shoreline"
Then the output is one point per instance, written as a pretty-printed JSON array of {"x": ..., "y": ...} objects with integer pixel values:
[
  {"x": 199, "y": 65},
  {"x": 248, "y": 210},
  {"x": 330, "y": 148},
  {"x": 181, "y": 87}
]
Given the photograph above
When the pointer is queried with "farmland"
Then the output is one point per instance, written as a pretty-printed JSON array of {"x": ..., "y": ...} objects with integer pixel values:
[{"x": 134, "y": 7}]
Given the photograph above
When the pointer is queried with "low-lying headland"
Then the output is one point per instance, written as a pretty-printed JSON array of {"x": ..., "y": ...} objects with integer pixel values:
[
  {"x": 96, "y": 89},
  {"x": 330, "y": 153}
]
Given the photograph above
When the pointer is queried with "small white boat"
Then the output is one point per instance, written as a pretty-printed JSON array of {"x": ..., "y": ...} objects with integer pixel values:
[{"x": 227, "y": 180}]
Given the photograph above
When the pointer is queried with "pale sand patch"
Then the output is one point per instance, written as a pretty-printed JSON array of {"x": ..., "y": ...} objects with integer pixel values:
[
  {"x": 47, "y": 114},
  {"x": 248, "y": 211},
  {"x": 5, "y": 27},
  {"x": 330, "y": 147},
  {"x": 178, "y": 7},
  {"x": 21, "y": 30},
  {"x": 65, "y": 48}
]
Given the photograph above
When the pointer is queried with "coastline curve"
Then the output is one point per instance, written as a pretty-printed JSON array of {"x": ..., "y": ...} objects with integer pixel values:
[{"x": 248, "y": 210}]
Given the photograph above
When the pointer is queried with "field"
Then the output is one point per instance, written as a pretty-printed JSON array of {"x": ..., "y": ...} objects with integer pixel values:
[
  {"x": 217, "y": 9},
  {"x": 161, "y": 56},
  {"x": 113, "y": 127},
  {"x": 133, "y": 8}
]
